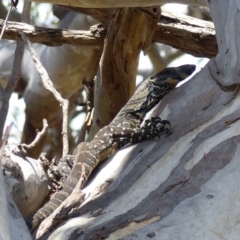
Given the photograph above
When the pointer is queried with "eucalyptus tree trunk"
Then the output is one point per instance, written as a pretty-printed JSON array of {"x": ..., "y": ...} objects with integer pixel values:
[{"x": 184, "y": 186}]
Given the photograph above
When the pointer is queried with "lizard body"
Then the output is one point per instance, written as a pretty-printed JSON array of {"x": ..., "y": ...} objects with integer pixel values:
[{"x": 125, "y": 128}]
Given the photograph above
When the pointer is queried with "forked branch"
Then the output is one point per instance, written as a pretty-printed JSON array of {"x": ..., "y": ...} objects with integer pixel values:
[{"x": 50, "y": 87}]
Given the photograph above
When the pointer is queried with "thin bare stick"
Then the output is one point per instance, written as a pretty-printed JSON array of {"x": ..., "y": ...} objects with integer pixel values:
[
  {"x": 5, "y": 22},
  {"x": 6, "y": 94},
  {"x": 38, "y": 137},
  {"x": 50, "y": 87}
]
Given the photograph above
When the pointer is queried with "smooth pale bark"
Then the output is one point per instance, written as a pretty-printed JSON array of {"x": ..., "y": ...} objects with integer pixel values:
[
  {"x": 4, "y": 218},
  {"x": 25, "y": 180},
  {"x": 187, "y": 181},
  {"x": 185, "y": 186},
  {"x": 12, "y": 224},
  {"x": 227, "y": 64},
  {"x": 189, "y": 177}
]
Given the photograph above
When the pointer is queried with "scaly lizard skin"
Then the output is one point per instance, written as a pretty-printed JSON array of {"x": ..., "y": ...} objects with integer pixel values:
[{"x": 125, "y": 128}]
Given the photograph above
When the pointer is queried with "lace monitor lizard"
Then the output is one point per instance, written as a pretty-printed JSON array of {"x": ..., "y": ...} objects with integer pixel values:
[{"x": 126, "y": 127}]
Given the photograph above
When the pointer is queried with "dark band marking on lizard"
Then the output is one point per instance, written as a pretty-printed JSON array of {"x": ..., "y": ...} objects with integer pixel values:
[{"x": 125, "y": 128}]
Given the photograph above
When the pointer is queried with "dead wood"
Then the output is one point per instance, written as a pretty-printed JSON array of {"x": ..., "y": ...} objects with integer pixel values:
[{"x": 188, "y": 34}]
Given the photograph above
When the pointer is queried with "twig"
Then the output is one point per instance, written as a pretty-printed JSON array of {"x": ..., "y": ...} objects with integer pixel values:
[
  {"x": 13, "y": 4},
  {"x": 38, "y": 137},
  {"x": 6, "y": 94},
  {"x": 50, "y": 87},
  {"x": 5, "y": 22}
]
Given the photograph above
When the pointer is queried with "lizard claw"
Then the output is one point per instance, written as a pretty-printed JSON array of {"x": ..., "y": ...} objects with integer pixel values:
[{"x": 168, "y": 131}]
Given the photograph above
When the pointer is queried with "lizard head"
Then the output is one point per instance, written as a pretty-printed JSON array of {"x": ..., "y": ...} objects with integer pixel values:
[
  {"x": 161, "y": 83},
  {"x": 153, "y": 90},
  {"x": 170, "y": 77}
]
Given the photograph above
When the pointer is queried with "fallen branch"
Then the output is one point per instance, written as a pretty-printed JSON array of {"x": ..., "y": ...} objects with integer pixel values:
[{"x": 50, "y": 87}]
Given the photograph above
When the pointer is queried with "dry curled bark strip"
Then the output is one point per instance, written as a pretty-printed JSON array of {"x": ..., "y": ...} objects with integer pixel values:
[{"x": 50, "y": 87}]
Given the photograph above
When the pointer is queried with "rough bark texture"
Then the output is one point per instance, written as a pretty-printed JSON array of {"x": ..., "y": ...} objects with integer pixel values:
[
  {"x": 196, "y": 37},
  {"x": 53, "y": 37},
  {"x": 124, "y": 3},
  {"x": 128, "y": 33},
  {"x": 190, "y": 35}
]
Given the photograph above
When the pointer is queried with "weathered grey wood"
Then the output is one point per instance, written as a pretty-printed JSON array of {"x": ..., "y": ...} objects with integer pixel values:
[
  {"x": 4, "y": 222},
  {"x": 12, "y": 225},
  {"x": 25, "y": 180},
  {"x": 123, "y": 3},
  {"x": 52, "y": 37},
  {"x": 65, "y": 73},
  {"x": 188, "y": 34}
]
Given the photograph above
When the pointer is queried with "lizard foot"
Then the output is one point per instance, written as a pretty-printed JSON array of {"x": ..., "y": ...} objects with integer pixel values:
[{"x": 151, "y": 128}]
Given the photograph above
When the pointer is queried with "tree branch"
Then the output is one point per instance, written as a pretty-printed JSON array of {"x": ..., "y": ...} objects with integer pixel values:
[
  {"x": 188, "y": 34},
  {"x": 50, "y": 87},
  {"x": 16, "y": 71},
  {"x": 123, "y": 3},
  {"x": 39, "y": 136}
]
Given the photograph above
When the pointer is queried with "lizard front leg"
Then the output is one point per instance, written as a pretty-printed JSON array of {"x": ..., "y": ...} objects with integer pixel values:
[{"x": 150, "y": 129}]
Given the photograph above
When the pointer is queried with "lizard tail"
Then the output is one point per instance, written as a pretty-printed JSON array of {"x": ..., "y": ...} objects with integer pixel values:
[
  {"x": 36, "y": 218},
  {"x": 79, "y": 174}
]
